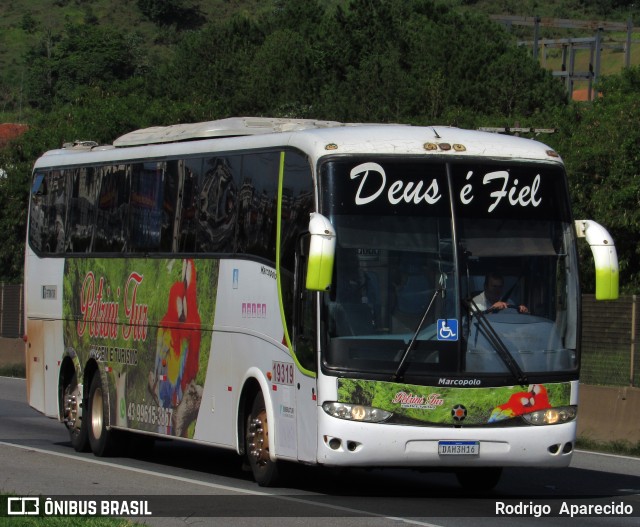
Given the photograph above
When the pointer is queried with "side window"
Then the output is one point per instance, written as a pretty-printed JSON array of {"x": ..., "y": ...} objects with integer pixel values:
[
  {"x": 83, "y": 194},
  {"x": 305, "y": 331},
  {"x": 50, "y": 214},
  {"x": 299, "y": 304},
  {"x": 217, "y": 207},
  {"x": 190, "y": 183},
  {"x": 259, "y": 204},
  {"x": 297, "y": 204},
  {"x": 39, "y": 214},
  {"x": 221, "y": 204},
  {"x": 112, "y": 214},
  {"x": 170, "y": 192},
  {"x": 37, "y": 211},
  {"x": 145, "y": 213}
]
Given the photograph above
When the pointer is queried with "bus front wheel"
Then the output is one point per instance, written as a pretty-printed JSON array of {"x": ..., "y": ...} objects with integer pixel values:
[
  {"x": 103, "y": 442},
  {"x": 265, "y": 471}
]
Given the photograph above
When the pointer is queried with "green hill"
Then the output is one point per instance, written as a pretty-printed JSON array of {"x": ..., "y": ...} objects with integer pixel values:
[
  {"x": 94, "y": 69},
  {"x": 25, "y": 24},
  {"x": 158, "y": 25}
]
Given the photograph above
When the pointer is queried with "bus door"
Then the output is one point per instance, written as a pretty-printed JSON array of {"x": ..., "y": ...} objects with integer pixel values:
[
  {"x": 307, "y": 418},
  {"x": 306, "y": 353}
]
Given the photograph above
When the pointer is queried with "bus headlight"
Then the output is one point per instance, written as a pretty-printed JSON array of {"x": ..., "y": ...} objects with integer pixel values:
[
  {"x": 551, "y": 416},
  {"x": 356, "y": 412}
]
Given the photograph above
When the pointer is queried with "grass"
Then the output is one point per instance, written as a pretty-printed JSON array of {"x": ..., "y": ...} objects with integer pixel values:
[{"x": 623, "y": 448}]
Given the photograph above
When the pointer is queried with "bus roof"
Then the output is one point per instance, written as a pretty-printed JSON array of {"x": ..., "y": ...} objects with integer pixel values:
[
  {"x": 315, "y": 138},
  {"x": 230, "y": 127}
]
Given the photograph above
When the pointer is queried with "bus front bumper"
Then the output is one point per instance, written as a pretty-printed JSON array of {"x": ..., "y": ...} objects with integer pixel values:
[{"x": 357, "y": 444}]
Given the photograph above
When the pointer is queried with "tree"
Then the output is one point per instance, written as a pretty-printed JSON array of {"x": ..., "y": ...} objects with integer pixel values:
[
  {"x": 414, "y": 61},
  {"x": 209, "y": 69},
  {"x": 181, "y": 13},
  {"x": 83, "y": 55},
  {"x": 600, "y": 144},
  {"x": 389, "y": 60},
  {"x": 13, "y": 211},
  {"x": 381, "y": 60}
]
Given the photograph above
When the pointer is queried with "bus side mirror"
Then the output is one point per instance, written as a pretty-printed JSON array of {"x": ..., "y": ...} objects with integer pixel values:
[
  {"x": 604, "y": 255},
  {"x": 322, "y": 250}
]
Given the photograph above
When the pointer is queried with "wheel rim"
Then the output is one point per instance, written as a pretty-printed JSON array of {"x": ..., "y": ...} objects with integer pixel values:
[
  {"x": 73, "y": 408},
  {"x": 96, "y": 413},
  {"x": 259, "y": 439}
]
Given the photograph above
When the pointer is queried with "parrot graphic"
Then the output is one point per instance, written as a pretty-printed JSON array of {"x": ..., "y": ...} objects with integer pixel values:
[
  {"x": 521, "y": 403},
  {"x": 178, "y": 343},
  {"x": 191, "y": 324},
  {"x": 170, "y": 349}
]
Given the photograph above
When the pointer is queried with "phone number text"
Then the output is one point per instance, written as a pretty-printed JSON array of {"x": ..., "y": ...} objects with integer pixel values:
[{"x": 149, "y": 414}]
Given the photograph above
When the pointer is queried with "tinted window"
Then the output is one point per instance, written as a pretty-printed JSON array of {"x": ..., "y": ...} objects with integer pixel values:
[
  {"x": 111, "y": 233},
  {"x": 48, "y": 215},
  {"x": 220, "y": 204},
  {"x": 83, "y": 194},
  {"x": 145, "y": 218},
  {"x": 259, "y": 204}
]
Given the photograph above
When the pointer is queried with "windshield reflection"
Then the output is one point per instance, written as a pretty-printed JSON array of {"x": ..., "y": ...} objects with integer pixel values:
[
  {"x": 392, "y": 263},
  {"x": 529, "y": 301},
  {"x": 382, "y": 288}
]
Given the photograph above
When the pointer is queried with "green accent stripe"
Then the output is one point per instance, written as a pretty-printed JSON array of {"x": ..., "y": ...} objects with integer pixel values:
[{"x": 279, "y": 274}]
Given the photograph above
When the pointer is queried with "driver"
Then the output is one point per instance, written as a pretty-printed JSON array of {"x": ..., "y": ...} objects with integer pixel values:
[{"x": 491, "y": 298}]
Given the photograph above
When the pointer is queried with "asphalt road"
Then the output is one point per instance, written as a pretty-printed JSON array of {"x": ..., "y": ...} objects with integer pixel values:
[{"x": 195, "y": 485}]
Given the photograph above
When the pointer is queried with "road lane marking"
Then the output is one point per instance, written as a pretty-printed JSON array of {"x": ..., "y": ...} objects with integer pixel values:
[
  {"x": 220, "y": 487},
  {"x": 605, "y": 454}
]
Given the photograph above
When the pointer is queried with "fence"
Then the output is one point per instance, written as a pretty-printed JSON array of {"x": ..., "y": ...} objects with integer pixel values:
[
  {"x": 609, "y": 353},
  {"x": 11, "y": 311},
  {"x": 610, "y": 356}
]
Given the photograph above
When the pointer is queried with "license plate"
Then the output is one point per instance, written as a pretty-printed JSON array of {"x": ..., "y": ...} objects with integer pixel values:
[{"x": 459, "y": 448}]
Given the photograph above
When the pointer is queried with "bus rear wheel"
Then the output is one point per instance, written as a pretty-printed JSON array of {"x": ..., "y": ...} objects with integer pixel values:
[
  {"x": 103, "y": 442},
  {"x": 73, "y": 406},
  {"x": 265, "y": 471}
]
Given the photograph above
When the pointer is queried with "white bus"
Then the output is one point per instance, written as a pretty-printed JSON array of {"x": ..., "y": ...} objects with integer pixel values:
[{"x": 311, "y": 291}]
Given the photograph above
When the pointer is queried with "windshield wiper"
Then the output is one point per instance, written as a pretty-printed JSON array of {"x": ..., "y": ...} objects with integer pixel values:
[
  {"x": 402, "y": 367},
  {"x": 495, "y": 340}
]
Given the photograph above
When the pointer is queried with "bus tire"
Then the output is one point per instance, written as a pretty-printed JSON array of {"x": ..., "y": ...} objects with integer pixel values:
[
  {"x": 103, "y": 442},
  {"x": 265, "y": 471},
  {"x": 74, "y": 410},
  {"x": 481, "y": 479}
]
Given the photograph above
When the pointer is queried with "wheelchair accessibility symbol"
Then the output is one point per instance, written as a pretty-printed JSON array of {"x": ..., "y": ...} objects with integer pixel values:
[{"x": 447, "y": 329}]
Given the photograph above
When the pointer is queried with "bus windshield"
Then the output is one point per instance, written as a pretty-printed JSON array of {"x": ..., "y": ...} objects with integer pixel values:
[{"x": 450, "y": 269}]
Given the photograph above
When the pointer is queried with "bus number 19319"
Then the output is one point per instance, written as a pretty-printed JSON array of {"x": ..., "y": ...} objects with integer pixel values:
[{"x": 282, "y": 373}]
